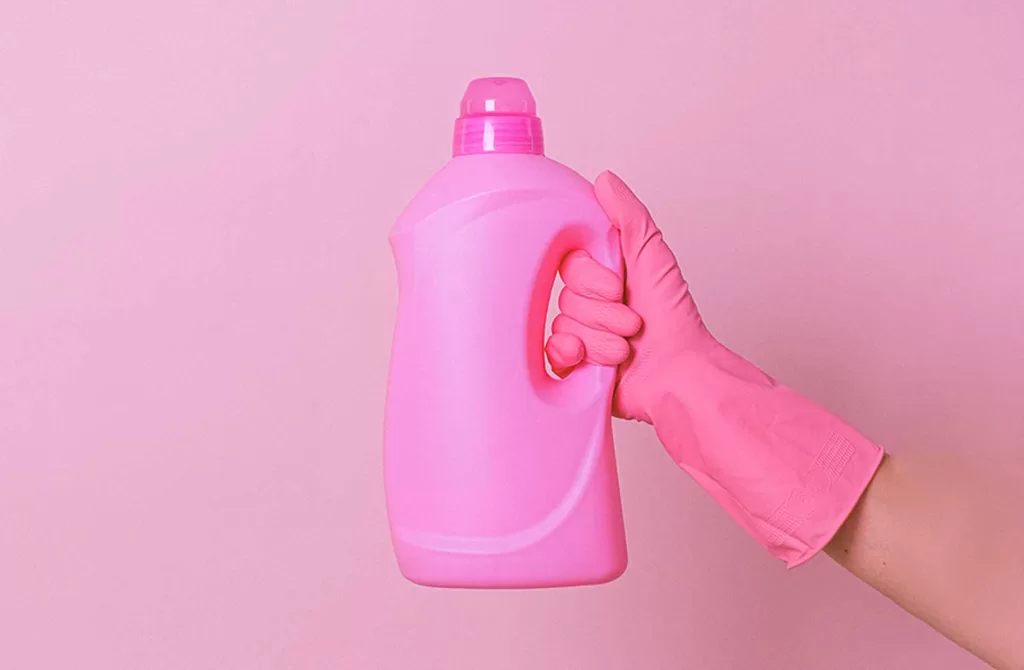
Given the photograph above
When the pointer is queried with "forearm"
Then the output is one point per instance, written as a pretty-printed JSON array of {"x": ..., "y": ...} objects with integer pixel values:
[
  {"x": 942, "y": 541},
  {"x": 947, "y": 545}
]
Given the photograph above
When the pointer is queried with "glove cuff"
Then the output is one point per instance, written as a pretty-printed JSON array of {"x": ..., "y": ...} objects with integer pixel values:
[{"x": 787, "y": 470}]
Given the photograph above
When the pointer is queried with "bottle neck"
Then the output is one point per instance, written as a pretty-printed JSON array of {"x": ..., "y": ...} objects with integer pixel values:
[{"x": 498, "y": 133}]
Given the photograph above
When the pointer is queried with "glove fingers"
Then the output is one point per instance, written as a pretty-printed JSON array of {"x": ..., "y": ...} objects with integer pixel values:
[
  {"x": 613, "y": 317},
  {"x": 649, "y": 261},
  {"x": 585, "y": 276},
  {"x": 600, "y": 347},
  {"x": 642, "y": 243},
  {"x": 565, "y": 351}
]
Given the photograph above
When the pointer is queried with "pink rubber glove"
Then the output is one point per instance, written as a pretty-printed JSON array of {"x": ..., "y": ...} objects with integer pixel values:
[{"x": 788, "y": 471}]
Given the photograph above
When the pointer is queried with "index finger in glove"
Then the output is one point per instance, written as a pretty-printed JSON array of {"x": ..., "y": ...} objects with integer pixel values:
[{"x": 586, "y": 277}]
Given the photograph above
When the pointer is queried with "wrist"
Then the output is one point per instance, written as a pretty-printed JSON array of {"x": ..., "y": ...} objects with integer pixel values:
[{"x": 703, "y": 376}]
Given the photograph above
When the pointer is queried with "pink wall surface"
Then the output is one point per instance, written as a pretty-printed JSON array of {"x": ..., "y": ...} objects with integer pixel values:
[{"x": 197, "y": 295}]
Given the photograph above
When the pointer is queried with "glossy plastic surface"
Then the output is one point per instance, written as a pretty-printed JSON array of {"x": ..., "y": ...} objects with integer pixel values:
[
  {"x": 498, "y": 115},
  {"x": 497, "y": 474}
]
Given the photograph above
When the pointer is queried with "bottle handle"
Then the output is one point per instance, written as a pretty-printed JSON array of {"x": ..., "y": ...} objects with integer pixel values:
[{"x": 600, "y": 240}]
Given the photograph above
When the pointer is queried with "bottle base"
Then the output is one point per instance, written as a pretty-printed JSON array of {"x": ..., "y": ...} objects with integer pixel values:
[{"x": 509, "y": 571}]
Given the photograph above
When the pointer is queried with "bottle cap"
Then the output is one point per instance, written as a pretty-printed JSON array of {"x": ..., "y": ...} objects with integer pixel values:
[{"x": 498, "y": 115}]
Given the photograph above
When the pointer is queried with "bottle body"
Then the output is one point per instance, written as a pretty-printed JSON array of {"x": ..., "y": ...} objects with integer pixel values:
[{"x": 497, "y": 474}]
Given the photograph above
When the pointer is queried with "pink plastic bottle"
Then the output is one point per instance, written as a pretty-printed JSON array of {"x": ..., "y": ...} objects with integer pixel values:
[{"x": 498, "y": 475}]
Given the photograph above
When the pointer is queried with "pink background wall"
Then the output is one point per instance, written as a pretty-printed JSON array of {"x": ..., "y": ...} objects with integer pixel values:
[{"x": 196, "y": 299}]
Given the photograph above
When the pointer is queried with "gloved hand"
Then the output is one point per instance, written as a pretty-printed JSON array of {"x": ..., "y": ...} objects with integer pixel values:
[{"x": 788, "y": 471}]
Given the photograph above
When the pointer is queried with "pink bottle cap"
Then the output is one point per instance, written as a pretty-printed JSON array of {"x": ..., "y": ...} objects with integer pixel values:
[{"x": 499, "y": 115}]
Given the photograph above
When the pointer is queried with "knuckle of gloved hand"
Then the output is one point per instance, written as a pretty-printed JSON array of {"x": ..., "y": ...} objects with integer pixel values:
[
  {"x": 609, "y": 351},
  {"x": 633, "y": 322},
  {"x": 616, "y": 291},
  {"x": 619, "y": 319},
  {"x": 605, "y": 315},
  {"x": 620, "y": 351}
]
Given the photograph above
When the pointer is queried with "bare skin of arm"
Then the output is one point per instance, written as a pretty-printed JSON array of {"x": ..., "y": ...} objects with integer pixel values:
[{"x": 946, "y": 544}]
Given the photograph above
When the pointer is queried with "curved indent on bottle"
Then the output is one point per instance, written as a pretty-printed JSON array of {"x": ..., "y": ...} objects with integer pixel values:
[{"x": 510, "y": 542}]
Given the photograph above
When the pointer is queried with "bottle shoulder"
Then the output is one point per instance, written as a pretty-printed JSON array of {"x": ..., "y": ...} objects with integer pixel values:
[{"x": 469, "y": 176}]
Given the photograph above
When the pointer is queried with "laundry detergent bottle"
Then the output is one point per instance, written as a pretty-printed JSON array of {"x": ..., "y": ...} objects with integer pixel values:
[{"x": 498, "y": 474}]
